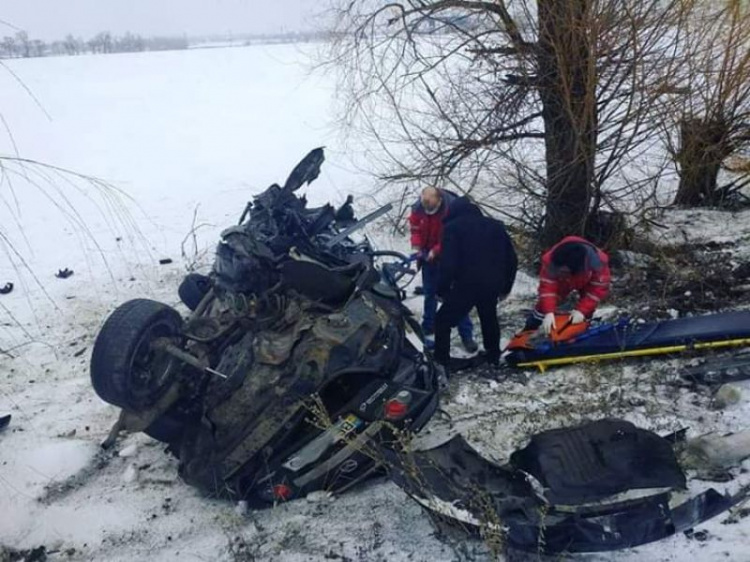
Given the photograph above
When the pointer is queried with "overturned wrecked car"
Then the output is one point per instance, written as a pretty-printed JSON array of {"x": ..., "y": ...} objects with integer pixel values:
[
  {"x": 299, "y": 369},
  {"x": 296, "y": 345}
]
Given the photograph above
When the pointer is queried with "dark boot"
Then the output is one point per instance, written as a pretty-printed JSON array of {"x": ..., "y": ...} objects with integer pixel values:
[{"x": 469, "y": 345}]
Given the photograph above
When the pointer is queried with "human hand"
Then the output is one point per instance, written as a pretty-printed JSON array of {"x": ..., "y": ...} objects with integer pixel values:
[
  {"x": 548, "y": 324},
  {"x": 431, "y": 256},
  {"x": 576, "y": 317},
  {"x": 418, "y": 256}
]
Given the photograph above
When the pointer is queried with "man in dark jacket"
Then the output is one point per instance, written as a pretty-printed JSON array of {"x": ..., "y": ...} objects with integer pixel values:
[{"x": 477, "y": 269}]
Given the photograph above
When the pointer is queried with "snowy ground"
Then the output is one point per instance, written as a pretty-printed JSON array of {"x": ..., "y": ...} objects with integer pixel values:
[{"x": 210, "y": 128}]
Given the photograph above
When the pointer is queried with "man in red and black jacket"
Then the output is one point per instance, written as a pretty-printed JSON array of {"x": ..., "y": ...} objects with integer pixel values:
[
  {"x": 573, "y": 264},
  {"x": 426, "y": 226}
]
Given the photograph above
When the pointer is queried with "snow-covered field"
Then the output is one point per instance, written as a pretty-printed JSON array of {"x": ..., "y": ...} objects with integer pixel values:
[{"x": 189, "y": 137}]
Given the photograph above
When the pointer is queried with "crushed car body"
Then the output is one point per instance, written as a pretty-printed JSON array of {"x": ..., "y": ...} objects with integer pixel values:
[
  {"x": 300, "y": 369},
  {"x": 293, "y": 365}
]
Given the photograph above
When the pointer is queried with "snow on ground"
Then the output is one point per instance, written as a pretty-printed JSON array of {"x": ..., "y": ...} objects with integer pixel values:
[
  {"x": 690, "y": 226},
  {"x": 207, "y": 129}
]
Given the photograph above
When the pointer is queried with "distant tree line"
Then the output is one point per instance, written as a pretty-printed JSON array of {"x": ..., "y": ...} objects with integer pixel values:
[
  {"x": 21, "y": 45},
  {"x": 248, "y": 39}
]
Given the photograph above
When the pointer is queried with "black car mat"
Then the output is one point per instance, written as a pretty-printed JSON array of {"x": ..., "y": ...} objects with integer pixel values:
[
  {"x": 596, "y": 460},
  {"x": 455, "y": 482}
]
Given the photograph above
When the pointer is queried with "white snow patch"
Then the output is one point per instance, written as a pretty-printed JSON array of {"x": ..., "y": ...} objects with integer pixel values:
[
  {"x": 131, "y": 474},
  {"x": 129, "y": 451},
  {"x": 31, "y": 469}
]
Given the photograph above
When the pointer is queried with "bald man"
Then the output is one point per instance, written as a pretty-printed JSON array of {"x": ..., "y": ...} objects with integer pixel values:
[{"x": 426, "y": 225}]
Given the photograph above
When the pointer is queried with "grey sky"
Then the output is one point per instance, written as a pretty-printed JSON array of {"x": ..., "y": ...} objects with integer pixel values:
[{"x": 53, "y": 19}]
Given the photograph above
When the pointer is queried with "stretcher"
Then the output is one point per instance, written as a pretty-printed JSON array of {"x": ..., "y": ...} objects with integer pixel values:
[{"x": 592, "y": 342}]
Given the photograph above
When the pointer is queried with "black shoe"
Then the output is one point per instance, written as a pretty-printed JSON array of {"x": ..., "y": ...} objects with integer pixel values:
[
  {"x": 494, "y": 370},
  {"x": 470, "y": 345},
  {"x": 443, "y": 375}
]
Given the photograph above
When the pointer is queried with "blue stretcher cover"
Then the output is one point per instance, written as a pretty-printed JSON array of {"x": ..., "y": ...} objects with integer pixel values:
[{"x": 628, "y": 336}]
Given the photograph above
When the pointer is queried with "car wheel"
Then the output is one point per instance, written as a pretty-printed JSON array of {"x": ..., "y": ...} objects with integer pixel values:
[{"x": 125, "y": 369}]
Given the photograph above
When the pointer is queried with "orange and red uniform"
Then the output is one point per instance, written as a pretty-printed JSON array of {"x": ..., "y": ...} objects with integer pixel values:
[{"x": 592, "y": 283}]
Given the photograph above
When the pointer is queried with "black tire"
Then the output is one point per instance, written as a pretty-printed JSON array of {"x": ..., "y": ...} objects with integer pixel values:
[
  {"x": 125, "y": 371},
  {"x": 193, "y": 288},
  {"x": 166, "y": 428}
]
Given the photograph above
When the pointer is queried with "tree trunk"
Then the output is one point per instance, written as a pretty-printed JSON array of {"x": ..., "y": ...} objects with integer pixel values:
[
  {"x": 567, "y": 87},
  {"x": 703, "y": 148}
]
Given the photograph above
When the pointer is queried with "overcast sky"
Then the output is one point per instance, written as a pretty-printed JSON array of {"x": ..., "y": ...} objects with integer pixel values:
[{"x": 53, "y": 19}]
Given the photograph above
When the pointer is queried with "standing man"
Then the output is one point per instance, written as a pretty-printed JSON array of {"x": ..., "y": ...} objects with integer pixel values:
[
  {"x": 426, "y": 225},
  {"x": 573, "y": 264},
  {"x": 477, "y": 269}
]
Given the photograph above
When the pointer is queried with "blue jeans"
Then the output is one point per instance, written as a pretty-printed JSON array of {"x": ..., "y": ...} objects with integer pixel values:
[{"x": 430, "y": 284}]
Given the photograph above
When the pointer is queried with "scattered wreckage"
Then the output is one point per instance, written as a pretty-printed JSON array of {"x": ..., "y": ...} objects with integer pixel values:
[
  {"x": 300, "y": 369},
  {"x": 605, "y": 485}
]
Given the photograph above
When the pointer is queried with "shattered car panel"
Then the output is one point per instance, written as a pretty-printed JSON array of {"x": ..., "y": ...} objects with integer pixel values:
[{"x": 559, "y": 494}]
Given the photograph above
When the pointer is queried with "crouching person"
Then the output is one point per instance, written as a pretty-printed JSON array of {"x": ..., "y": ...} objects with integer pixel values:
[
  {"x": 573, "y": 264},
  {"x": 477, "y": 269}
]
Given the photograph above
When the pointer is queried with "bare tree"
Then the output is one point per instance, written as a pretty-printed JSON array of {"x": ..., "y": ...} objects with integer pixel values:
[
  {"x": 57, "y": 48},
  {"x": 550, "y": 100},
  {"x": 73, "y": 45},
  {"x": 105, "y": 40},
  {"x": 37, "y": 48},
  {"x": 129, "y": 43},
  {"x": 9, "y": 47},
  {"x": 713, "y": 126},
  {"x": 101, "y": 44},
  {"x": 24, "y": 44}
]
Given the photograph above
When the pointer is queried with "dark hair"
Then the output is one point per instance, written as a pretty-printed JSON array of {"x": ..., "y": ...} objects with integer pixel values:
[{"x": 571, "y": 255}]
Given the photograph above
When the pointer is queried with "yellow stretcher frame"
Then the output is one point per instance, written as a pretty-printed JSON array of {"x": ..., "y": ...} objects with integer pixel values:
[{"x": 543, "y": 364}]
